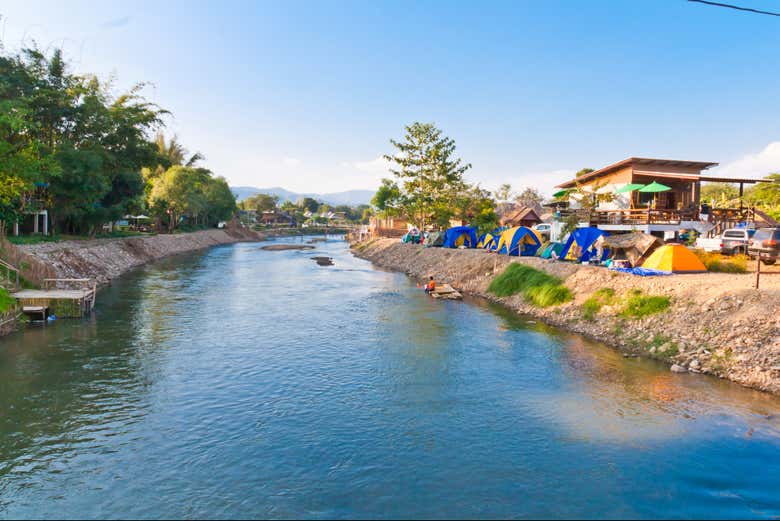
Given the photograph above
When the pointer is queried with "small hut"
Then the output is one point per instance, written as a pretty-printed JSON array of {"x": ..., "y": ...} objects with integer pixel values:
[
  {"x": 634, "y": 247},
  {"x": 522, "y": 216}
]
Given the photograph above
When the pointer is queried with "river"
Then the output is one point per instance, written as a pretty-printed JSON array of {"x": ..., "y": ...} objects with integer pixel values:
[{"x": 238, "y": 383}]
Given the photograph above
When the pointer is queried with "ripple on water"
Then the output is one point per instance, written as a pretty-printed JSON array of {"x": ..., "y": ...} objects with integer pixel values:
[{"x": 298, "y": 391}]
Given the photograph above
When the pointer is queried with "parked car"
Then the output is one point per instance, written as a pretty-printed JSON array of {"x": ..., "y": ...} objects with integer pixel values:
[
  {"x": 544, "y": 229},
  {"x": 735, "y": 241},
  {"x": 766, "y": 243}
]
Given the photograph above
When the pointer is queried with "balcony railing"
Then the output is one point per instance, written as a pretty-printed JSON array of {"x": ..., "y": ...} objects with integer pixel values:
[{"x": 645, "y": 216}]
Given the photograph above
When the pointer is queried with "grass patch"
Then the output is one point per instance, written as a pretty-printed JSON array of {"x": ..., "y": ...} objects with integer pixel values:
[
  {"x": 537, "y": 287},
  {"x": 639, "y": 306},
  {"x": 599, "y": 299},
  {"x": 717, "y": 262},
  {"x": 38, "y": 239},
  {"x": 7, "y": 302}
]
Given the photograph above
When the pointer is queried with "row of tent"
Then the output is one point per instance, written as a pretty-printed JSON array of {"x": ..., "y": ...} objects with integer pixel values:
[{"x": 582, "y": 245}]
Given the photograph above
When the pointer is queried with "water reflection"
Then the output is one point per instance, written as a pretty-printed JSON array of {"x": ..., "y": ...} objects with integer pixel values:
[{"x": 619, "y": 399}]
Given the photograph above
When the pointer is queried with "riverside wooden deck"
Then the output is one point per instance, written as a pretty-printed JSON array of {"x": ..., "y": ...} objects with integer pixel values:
[{"x": 65, "y": 298}]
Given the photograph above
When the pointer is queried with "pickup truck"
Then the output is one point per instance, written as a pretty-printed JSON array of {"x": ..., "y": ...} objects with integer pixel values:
[{"x": 733, "y": 240}]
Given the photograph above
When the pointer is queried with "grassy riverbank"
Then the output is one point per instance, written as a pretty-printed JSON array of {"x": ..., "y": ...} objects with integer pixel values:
[{"x": 713, "y": 323}]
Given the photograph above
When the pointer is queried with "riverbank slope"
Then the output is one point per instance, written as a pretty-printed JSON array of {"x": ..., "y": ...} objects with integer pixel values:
[
  {"x": 105, "y": 259},
  {"x": 716, "y": 322}
]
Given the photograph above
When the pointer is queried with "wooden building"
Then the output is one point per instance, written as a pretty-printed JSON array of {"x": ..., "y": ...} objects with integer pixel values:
[
  {"x": 653, "y": 212},
  {"x": 521, "y": 216}
]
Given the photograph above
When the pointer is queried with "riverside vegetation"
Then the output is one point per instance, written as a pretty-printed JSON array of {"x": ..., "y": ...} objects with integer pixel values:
[{"x": 89, "y": 155}]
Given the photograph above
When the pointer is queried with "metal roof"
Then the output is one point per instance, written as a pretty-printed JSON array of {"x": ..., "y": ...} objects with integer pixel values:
[{"x": 701, "y": 165}]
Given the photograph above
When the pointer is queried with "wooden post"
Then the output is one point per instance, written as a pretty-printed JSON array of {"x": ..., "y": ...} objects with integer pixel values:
[
  {"x": 741, "y": 192},
  {"x": 758, "y": 268}
]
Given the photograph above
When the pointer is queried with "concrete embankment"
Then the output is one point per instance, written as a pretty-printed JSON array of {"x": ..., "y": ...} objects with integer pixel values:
[
  {"x": 105, "y": 259},
  {"x": 716, "y": 322}
]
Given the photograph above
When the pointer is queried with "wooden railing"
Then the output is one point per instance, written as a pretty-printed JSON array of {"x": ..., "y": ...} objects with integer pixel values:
[
  {"x": 11, "y": 273},
  {"x": 644, "y": 216},
  {"x": 87, "y": 286}
]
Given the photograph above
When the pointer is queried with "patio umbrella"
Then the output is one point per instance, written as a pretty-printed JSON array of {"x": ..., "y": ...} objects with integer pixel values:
[
  {"x": 654, "y": 188},
  {"x": 561, "y": 193},
  {"x": 629, "y": 188}
]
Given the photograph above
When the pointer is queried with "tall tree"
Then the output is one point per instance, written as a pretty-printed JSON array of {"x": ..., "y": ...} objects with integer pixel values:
[
  {"x": 429, "y": 173},
  {"x": 504, "y": 193},
  {"x": 530, "y": 197}
]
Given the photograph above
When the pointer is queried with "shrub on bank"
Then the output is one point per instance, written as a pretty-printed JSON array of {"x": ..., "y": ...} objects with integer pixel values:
[
  {"x": 599, "y": 299},
  {"x": 717, "y": 262},
  {"x": 537, "y": 287},
  {"x": 639, "y": 306},
  {"x": 6, "y": 301}
]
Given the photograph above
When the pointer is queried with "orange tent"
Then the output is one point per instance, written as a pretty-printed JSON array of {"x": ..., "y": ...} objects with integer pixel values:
[{"x": 675, "y": 258}]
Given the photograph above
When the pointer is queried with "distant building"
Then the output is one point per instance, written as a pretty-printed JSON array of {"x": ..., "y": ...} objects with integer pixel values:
[
  {"x": 248, "y": 216},
  {"x": 35, "y": 215},
  {"x": 276, "y": 218},
  {"x": 521, "y": 216},
  {"x": 388, "y": 226}
]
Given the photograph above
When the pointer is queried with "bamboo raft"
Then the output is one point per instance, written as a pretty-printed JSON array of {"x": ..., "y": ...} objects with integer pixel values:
[{"x": 445, "y": 292}]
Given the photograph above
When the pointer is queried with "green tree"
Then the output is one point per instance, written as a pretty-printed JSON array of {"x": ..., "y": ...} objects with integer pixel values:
[
  {"x": 715, "y": 193},
  {"x": 430, "y": 175},
  {"x": 767, "y": 194},
  {"x": 387, "y": 198},
  {"x": 310, "y": 204},
  {"x": 583, "y": 172},
  {"x": 262, "y": 202}
]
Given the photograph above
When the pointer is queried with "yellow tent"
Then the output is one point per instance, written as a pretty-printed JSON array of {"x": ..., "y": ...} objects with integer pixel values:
[{"x": 675, "y": 258}]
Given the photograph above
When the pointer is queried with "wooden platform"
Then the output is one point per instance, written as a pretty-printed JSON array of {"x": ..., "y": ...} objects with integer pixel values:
[
  {"x": 65, "y": 298},
  {"x": 72, "y": 294}
]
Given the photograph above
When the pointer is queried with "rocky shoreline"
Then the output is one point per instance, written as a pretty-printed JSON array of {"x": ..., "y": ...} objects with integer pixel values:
[
  {"x": 716, "y": 324},
  {"x": 106, "y": 259}
]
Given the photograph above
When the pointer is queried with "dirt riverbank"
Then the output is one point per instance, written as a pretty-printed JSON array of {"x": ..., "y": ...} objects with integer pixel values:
[
  {"x": 105, "y": 259},
  {"x": 716, "y": 323}
]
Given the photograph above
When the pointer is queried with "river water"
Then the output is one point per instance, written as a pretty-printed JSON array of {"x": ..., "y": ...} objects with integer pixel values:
[{"x": 246, "y": 383}]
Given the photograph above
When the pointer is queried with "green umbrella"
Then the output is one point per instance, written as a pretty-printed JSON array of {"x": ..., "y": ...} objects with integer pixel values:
[
  {"x": 629, "y": 188},
  {"x": 561, "y": 193},
  {"x": 655, "y": 186}
]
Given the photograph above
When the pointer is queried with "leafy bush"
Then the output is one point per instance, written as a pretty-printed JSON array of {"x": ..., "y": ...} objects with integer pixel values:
[
  {"x": 6, "y": 301},
  {"x": 639, "y": 306},
  {"x": 537, "y": 287},
  {"x": 717, "y": 262},
  {"x": 599, "y": 299}
]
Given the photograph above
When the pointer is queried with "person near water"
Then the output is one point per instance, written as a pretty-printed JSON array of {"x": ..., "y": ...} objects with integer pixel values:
[{"x": 431, "y": 286}]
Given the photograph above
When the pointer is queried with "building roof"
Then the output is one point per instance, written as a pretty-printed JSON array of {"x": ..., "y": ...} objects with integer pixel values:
[
  {"x": 710, "y": 179},
  {"x": 637, "y": 161},
  {"x": 523, "y": 213}
]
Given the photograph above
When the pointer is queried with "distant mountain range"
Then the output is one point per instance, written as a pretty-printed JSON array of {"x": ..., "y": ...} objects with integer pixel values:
[{"x": 350, "y": 197}]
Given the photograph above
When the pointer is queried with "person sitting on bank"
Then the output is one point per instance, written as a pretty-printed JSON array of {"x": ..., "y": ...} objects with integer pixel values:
[{"x": 431, "y": 286}]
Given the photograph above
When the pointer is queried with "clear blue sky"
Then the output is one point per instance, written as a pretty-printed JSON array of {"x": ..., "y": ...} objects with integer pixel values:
[{"x": 305, "y": 95}]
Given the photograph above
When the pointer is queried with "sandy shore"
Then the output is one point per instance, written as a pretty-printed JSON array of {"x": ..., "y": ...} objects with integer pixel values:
[{"x": 717, "y": 323}]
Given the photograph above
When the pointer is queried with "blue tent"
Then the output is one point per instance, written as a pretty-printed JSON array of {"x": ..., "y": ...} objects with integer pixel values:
[
  {"x": 460, "y": 236},
  {"x": 519, "y": 241},
  {"x": 579, "y": 246}
]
